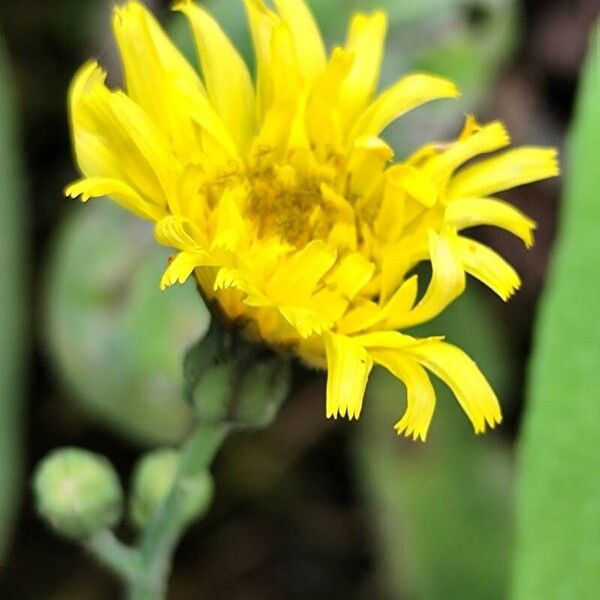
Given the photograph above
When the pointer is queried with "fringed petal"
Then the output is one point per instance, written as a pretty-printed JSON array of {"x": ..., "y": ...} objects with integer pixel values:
[
  {"x": 348, "y": 366},
  {"x": 463, "y": 377},
  {"x": 182, "y": 266},
  {"x": 420, "y": 395}
]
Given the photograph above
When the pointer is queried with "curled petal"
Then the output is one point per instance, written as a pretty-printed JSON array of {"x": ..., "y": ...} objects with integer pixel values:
[
  {"x": 489, "y": 267},
  {"x": 462, "y": 376},
  {"x": 182, "y": 266},
  {"x": 119, "y": 191},
  {"x": 503, "y": 172},
  {"x": 470, "y": 212},
  {"x": 480, "y": 140},
  {"x": 176, "y": 232},
  {"x": 447, "y": 283},
  {"x": 403, "y": 96}
]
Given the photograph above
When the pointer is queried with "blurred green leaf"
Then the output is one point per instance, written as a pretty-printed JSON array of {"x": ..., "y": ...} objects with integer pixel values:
[
  {"x": 441, "y": 509},
  {"x": 118, "y": 341},
  {"x": 477, "y": 38},
  {"x": 558, "y": 525},
  {"x": 13, "y": 266}
]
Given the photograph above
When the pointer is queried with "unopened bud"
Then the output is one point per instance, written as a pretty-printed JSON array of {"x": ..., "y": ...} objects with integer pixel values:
[
  {"x": 78, "y": 492},
  {"x": 153, "y": 478}
]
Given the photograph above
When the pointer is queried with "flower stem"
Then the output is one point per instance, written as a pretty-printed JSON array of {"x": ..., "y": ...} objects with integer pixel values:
[
  {"x": 167, "y": 525},
  {"x": 116, "y": 556}
]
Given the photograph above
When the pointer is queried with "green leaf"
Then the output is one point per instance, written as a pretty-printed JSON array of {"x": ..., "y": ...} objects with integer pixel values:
[
  {"x": 558, "y": 525},
  {"x": 13, "y": 264},
  {"x": 117, "y": 340},
  {"x": 441, "y": 509}
]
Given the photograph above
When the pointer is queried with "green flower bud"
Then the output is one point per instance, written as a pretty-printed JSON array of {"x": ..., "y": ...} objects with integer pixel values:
[
  {"x": 78, "y": 492},
  {"x": 152, "y": 481},
  {"x": 230, "y": 380}
]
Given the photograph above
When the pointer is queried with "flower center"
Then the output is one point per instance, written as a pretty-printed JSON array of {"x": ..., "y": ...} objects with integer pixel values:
[{"x": 288, "y": 204}]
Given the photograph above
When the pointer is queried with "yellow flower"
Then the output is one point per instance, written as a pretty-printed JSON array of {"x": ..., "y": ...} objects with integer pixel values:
[{"x": 282, "y": 199}]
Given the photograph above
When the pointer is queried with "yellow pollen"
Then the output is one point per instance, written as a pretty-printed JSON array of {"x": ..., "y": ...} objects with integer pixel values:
[{"x": 283, "y": 203}]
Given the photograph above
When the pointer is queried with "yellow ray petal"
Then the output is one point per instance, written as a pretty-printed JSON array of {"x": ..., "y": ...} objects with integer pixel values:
[
  {"x": 470, "y": 212},
  {"x": 182, "y": 266},
  {"x": 369, "y": 316},
  {"x": 489, "y": 267},
  {"x": 403, "y": 96},
  {"x": 394, "y": 265},
  {"x": 285, "y": 69},
  {"x": 120, "y": 192},
  {"x": 229, "y": 278},
  {"x": 360, "y": 317},
  {"x": 366, "y": 38},
  {"x": 348, "y": 368},
  {"x": 296, "y": 277},
  {"x": 366, "y": 163},
  {"x": 161, "y": 81},
  {"x": 262, "y": 22},
  {"x": 420, "y": 395},
  {"x": 228, "y": 227},
  {"x": 322, "y": 117},
  {"x": 147, "y": 54},
  {"x": 392, "y": 340},
  {"x": 308, "y": 43},
  {"x": 177, "y": 232},
  {"x": 462, "y": 376},
  {"x": 351, "y": 274},
  {"x": 487, "y": 138},
  {"x": 286, "y": 100},
  {"x": 414, "y": 183},
  {"x": 447, "y": 282},
  {"x": 227, "y": 79},
  {"x": 508, "y": 170},
  {"x": 306, "y": 321},
  {"x": 115, "y": 139},
  {"x": 401, "y": 302}
]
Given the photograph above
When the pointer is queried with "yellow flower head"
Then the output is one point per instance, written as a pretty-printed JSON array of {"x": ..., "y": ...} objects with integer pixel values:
[{"x": 282, "y": 199}]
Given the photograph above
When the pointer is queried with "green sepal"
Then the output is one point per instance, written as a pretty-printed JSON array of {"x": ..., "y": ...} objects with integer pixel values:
[{"x": 232, "y": 381}]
